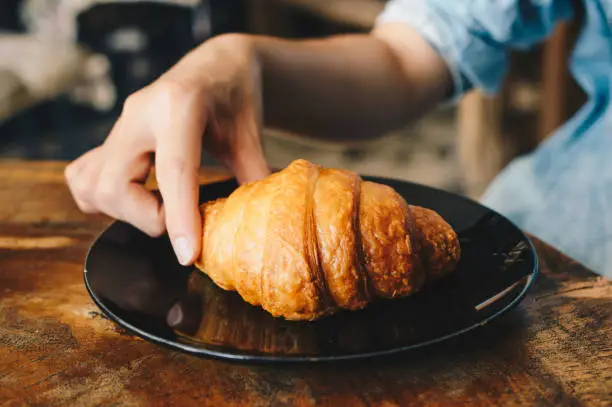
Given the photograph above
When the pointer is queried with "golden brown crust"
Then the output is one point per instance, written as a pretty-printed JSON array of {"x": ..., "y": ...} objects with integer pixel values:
[
  {"x": 336, "y": 199},
  {"x": 438, "y": 243},
  {"x": 309, "y": 241},
  {"x": 288, "y": 286},
  {"x": 212, "y": 246},
  {"x": 386, "y": 227}
]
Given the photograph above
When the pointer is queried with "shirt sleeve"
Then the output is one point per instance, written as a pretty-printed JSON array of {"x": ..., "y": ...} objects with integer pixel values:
[{"x": 474, "y": 36}]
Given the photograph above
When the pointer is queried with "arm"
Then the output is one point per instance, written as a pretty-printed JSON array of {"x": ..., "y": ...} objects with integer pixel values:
[
  {"x": 353, "y": 86},
  {"x": 342, "y": 87}
]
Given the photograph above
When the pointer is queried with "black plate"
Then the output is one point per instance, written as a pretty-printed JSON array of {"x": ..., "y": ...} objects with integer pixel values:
[{"x": 138, "y": 283}]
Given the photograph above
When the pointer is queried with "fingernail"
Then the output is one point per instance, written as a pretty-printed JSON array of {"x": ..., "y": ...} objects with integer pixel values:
[{"x": 182, "y": 249}]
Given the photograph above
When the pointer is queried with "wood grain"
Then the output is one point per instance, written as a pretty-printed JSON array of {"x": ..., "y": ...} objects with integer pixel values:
[{"x": 57, "y": 349}]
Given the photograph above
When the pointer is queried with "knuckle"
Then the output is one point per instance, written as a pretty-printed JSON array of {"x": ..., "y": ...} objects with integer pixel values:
[
  {"x": 74, "y": 171},
  {"x": 81, "y": 186},
  {"x": 85, "y": 207},
  {"x": 232, "y": 45},
  {"x": 70, "y": 173},
  {"x": 131, "y": 102},
  {"x": 173, "y": 92},
  {"x": 231, "y": 39}
]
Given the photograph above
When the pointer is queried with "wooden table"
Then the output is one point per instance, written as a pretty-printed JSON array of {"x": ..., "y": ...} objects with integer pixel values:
[{"x": 57, "y": 349}]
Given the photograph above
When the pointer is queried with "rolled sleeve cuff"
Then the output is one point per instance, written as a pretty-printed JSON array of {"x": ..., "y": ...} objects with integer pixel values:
[{"x": 473, "y": 61}]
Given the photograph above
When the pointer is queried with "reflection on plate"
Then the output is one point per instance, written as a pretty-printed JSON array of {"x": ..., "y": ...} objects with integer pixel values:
[{"x": 138, "y": 283}]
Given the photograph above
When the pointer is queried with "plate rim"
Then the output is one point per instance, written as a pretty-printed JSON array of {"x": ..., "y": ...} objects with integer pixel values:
[{"x": 242, "y": 356}]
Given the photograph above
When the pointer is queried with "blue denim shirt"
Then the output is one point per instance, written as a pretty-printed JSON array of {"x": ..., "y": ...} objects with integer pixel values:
[{"x": 562, "y": 192}]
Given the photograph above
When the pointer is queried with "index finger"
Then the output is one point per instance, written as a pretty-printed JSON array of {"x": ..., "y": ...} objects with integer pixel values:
[{"x": 178, "y": 154}]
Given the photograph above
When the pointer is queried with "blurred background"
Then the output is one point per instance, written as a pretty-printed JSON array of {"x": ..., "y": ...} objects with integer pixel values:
[{"x": 66, "y": 66}]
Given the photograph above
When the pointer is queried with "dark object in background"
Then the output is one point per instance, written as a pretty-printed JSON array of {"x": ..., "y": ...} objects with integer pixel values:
[
  {"x": 142, "y": 40},
  {"x": 227, "y": 16},
  {"x": 10, "y": 19}
]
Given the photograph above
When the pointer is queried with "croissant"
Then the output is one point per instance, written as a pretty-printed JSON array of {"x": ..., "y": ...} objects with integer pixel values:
[{"x": 308, "y": 241}]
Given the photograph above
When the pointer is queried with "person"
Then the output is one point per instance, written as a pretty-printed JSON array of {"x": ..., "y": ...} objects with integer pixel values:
[{"x": 419, "y": 55}]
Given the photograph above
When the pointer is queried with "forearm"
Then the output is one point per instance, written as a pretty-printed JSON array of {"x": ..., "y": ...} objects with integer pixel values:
[{"x": 349, "y": 87}]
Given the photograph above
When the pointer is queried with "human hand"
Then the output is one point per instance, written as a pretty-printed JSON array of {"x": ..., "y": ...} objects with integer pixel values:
[{"x": 211, "y": 99}]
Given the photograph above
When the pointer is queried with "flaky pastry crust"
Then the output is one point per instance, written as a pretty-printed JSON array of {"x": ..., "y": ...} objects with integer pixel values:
[{"x": 309, "y": 241}]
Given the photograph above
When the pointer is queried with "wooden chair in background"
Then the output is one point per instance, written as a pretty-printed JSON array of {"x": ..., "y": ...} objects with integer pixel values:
[{"x": 538, "y": 96}]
